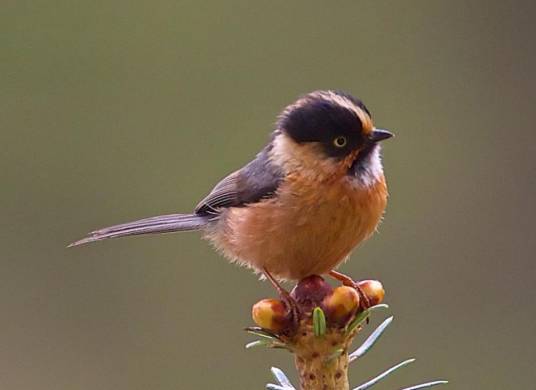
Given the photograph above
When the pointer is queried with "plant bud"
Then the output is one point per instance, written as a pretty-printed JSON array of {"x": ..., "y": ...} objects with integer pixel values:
[
  {"x": 341, "y": 304},
  {"x": 310, "y": 292},
  {"x": 271, "y": 314},
  {"x": 373, "y": 289}
]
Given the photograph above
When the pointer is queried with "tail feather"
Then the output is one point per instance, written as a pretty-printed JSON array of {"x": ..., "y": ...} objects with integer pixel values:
[{"x": 160, "y": 224}]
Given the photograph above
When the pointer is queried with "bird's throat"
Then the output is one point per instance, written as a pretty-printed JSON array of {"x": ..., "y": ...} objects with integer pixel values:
[{"x": 367, "y": 167}]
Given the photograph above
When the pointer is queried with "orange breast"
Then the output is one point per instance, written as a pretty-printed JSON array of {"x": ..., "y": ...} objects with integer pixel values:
[{"x": 306, "y": 229}]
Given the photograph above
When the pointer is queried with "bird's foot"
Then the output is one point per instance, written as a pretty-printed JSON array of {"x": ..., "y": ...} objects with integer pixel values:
[
  {"x": 287, "y": 299},
  {"x": 364, "y": 301}
]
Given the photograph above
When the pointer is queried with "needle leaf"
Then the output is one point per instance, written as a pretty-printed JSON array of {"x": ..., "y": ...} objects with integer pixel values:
[
  {"x": 280, "y": 376},
  {"x": 358, "y": 320},
  {"x": 263, "y": 335},
  {"x": 426, "y": 385},
  {"x": 319, "y": 322},
  {"x": 383, "y": 375},
  {"x": 371, "y": 340}
]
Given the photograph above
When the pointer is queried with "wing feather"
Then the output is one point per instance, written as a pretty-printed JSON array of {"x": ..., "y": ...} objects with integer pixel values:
[
  {"x": 224, "y": 194},
  {"x": 258, "y": 180}
]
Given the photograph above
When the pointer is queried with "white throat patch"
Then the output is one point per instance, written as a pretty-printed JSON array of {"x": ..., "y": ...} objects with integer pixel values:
[{"x": 372, "y": 172}]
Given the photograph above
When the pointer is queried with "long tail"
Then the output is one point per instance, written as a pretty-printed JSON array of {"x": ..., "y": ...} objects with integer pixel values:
[{"x": 160, "y": 224}]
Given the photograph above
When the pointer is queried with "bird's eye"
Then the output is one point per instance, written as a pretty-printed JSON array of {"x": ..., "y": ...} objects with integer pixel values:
[{"x": 340, "y": 141}]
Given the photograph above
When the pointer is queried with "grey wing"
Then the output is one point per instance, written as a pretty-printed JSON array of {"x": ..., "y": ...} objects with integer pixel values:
[
  {"x": 256, "y": 181},
  {"x": 224, "y": 194}
]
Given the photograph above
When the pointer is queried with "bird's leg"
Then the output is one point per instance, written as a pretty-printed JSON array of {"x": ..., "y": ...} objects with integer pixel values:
[
  {"x": 348, "y": 281},
  {"x": 285, "y": 296}
]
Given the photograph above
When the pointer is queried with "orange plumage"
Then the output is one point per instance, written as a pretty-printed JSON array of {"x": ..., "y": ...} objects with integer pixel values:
[{"x": 318, "y": 216}]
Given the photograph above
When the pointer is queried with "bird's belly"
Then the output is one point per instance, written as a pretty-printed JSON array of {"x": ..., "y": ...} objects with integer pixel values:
[{"x": 296, "y": 236}]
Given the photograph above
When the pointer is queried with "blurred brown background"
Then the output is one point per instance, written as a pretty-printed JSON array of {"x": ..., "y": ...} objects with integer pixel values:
[{"x": 115, "y": 110}]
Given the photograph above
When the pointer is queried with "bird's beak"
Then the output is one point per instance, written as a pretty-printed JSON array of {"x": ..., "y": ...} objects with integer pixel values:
[{"x": 378, "y": 135}]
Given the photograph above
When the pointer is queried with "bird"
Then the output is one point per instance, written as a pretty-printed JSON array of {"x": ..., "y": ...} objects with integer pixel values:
[{"x": 313, "y": 194}]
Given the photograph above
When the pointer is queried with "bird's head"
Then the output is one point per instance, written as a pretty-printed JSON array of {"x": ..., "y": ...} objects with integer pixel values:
[{"x": 328, "y": 131}]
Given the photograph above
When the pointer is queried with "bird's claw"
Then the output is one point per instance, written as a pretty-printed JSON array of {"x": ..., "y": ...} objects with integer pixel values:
[{"x": 364, "y": 301}]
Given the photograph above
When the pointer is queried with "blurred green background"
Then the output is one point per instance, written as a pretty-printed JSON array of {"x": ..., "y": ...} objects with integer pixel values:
[{"x": 116, "y": 110}]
